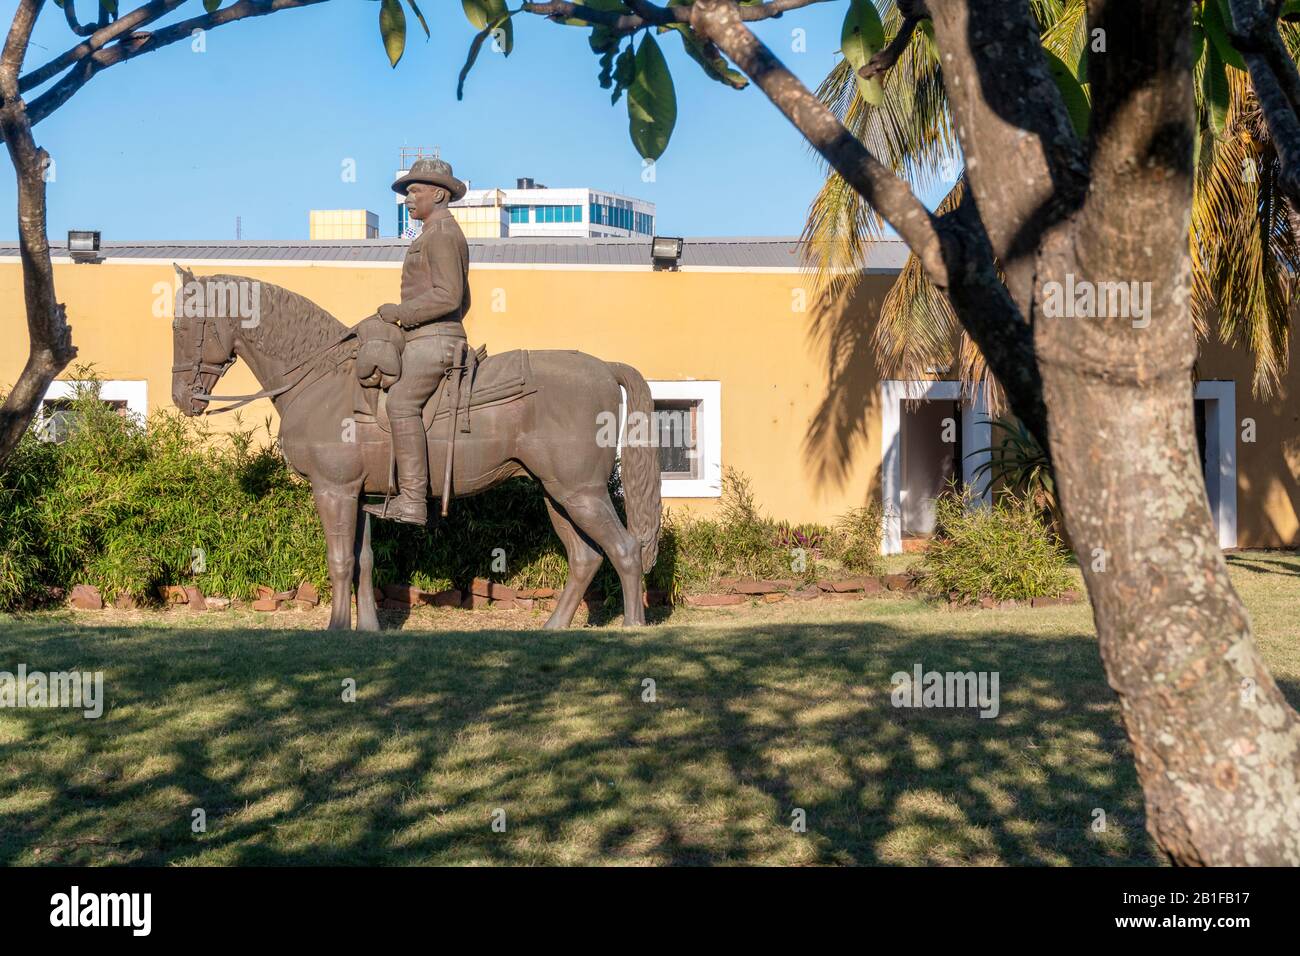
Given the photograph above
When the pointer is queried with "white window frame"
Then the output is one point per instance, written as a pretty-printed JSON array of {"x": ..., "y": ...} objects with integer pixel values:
[
  {"x": 708, "y": 436},
  {"x": 976, "y": 438},
  {"x": 1220, "y": 399},
  {"x": 132, "y": 391}
]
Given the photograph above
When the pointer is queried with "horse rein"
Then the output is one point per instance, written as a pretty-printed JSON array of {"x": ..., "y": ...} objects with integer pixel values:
[{"x": 198, "y": 367}]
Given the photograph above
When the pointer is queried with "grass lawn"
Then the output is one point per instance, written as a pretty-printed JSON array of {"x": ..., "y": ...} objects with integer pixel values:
[{"x": 760, "y": 711}]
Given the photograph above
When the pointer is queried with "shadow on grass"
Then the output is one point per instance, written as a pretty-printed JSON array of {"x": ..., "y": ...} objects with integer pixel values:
[
  {"x": 748, "y": 726},
  {"x": 1254, "y": 562}
]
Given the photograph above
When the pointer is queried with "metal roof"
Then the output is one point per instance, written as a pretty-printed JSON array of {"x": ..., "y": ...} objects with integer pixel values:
[{"x": 738, "y": 253}]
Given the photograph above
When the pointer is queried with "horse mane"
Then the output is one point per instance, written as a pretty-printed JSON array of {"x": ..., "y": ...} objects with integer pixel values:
[{"x": 291, "y": 327}]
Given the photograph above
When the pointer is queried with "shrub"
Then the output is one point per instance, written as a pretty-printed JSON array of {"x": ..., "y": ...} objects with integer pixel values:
[
  {"x": 1004, "y": 551},
  {"x": 127, "y": 508},
  {"x": 854, "y": 541},
  {"x": 739, "y": 542}
]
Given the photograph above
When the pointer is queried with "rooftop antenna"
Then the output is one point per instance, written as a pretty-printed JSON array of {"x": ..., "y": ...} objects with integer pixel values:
[{"x": 239, "y": 228}]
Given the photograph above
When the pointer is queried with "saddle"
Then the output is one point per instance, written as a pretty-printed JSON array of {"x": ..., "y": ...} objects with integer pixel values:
[
  {"x": 484, "y": 380},
  {"x": 474, "y": 380}
]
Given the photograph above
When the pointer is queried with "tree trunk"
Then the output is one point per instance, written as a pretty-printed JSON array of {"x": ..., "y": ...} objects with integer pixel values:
[
  {"x": 1217, "y": 746},
  {"x": 50, "y": 337}
]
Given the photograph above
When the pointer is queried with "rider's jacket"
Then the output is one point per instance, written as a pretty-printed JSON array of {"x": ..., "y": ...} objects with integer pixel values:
[{"x": 435, "y": 281}]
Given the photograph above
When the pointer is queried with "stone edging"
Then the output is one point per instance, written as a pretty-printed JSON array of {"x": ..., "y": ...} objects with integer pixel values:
[{"x": 484, "y": 593}]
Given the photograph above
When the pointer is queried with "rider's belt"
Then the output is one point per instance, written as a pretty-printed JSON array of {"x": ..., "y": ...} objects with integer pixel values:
[{"x": 440, "y": 327}]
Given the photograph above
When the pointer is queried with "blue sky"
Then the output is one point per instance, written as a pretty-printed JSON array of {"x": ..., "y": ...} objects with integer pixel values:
[{"x": 176, "y": 144}]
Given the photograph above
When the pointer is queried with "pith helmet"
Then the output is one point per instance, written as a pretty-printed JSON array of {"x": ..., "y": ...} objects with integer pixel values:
[{"x": 435, "y": 172}]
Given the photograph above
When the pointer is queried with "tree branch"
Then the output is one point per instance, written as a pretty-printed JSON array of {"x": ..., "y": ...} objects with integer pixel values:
[
  {"x": 985, "y": 308},
  {"x": 128, "y": 48},
  {"x": 884, "y": 61},
  {"x": 70, "y": 12},
  {"x": 956, "y": 251},
  {"x": 1277, "y": 85},
  {"x": 720, "y": 22},
  {"x": 101, "y": 37},
  {"x": 645, "y": 14},
  {"x": 50, "y": 337},
  {"x": 1025, "y": 164}
]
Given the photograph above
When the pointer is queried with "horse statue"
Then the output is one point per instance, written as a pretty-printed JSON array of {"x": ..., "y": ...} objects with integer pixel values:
[{"x": 305, "y": 360}]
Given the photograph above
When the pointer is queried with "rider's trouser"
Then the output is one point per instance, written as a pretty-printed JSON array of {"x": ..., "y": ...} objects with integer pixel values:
[{"x": 424, "y": 362}]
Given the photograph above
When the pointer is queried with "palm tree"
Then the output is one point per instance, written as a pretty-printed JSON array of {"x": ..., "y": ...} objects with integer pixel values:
[{"x": 1243, "y": 235}]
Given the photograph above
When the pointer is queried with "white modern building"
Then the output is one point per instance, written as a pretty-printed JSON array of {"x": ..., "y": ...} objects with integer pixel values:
[{"x": 531, "y": 209}]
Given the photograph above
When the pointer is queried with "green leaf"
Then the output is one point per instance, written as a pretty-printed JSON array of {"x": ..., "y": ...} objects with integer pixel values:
[
  {"x": 491, "y": 14},
  {"x": 419, "y": 16},
  {"x": 211, "y": 5},
  {"x": 714, "y": 64},
  {"x": 624, "y": 73},
  {"x": 603, "y": 40},
  {"x": 608, "y": 6},
  {"x": 1214, "y": 90},
  {"x": 476, "y": 11},
  {"x": 1290, "y": 11},
  {"x": 651, "y": 101},
  {"x": 861, "y": 38},
  {"x": 1216, "y": 28},
  {"x": 392, "y": 28},
  {"x": 1076, "y": 100}
]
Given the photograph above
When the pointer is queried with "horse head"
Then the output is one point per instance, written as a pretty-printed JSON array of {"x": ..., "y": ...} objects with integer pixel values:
[
  {"x": 202, "y": 343},
  {"x": 220, "y": 318}
]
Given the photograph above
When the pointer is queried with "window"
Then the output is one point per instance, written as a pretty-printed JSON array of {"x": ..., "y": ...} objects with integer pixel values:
[
  {"x": 55, "y": 417},
  {"x": 687, "y": 427},
  {"x": 518, "y": 214},
  {"x": 58, "y": 417},
  {"x": 557, "y": 214},
  {"x": 613, "y": 212},
  {"x": 676, "y": 425}
]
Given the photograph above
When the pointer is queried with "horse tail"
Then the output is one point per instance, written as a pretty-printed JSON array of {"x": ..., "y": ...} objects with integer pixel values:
[{"x": 640, "y": 469}]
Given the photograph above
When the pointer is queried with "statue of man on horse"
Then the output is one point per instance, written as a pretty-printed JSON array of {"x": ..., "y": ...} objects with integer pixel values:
[
  {"x": 542, "y": 414},
  {"x": 435, "y": 299}
]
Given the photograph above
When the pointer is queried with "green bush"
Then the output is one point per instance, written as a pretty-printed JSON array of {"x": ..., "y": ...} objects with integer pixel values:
[
  {"x": 854, "y": 541},
  {"x": 741, "y": 543},
  {"x": 127, "y": 508},
  {"x": 1004, "y": 551}
]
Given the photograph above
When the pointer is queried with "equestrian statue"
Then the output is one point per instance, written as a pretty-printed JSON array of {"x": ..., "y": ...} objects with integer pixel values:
[{"x": 400, "y": 406}]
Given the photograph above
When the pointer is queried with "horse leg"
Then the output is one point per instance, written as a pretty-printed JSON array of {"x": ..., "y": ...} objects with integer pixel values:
[
  {"x": 584, "y": 562},
  {"x": 594, "y": 514},
  {"x": 363, "y": 576},
  {"x": 338, "y": 515}
]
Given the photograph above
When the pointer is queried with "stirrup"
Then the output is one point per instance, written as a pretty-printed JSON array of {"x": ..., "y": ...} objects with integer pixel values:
[{"x": 382, "y": 511}]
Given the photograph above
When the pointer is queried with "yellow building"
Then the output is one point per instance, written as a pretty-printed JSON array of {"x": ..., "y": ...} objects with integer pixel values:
[
  {"x": 486, "y": 218},
  {"x": 343, "y": 224},
  {"x": 736, "y": 353}
]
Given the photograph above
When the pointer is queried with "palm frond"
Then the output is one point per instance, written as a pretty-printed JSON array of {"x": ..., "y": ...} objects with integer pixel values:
[{"x": 1244, "y": 248}]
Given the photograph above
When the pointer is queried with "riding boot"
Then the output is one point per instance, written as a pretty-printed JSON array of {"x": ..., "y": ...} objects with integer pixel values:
[{"x": 411, "y": 451}]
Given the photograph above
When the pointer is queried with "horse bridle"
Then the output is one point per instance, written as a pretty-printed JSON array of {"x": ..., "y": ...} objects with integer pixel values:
[{"x": 197, "y": 367}]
